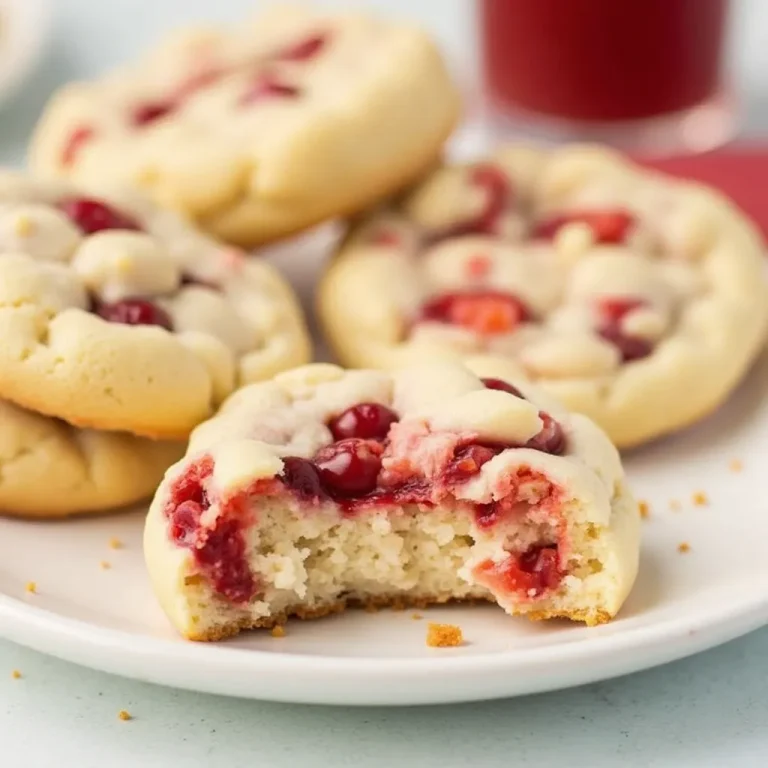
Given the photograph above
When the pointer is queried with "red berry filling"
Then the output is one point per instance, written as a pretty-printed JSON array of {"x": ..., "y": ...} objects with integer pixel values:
[
  {"x": 467, "y": 462},
  {"x": 92, "y": 216},
  {"x": 267, "y": 87},
  {"x": 349, "y": 467},
  {"x": 612, "y": 312},
  {"x": 134, "y": 312},
  {"x": 147, "y": 113},
  {"x": 502, "y": 386},
  {"x": 528, "y": 574},
  {"x": 76, "y": 141},
  {"x": 608, "y": 227},
  {"x": 302, "y": 477},
  {"x": 498, "y": 196},
  {"x": 303, "y": 50},
  {"x": 218, "y": 548},
  {"x": 369, "y": 421},
  {"x": 484, "y": 312}
]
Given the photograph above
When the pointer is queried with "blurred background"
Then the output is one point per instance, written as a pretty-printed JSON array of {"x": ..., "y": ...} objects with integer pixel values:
[{"x": 89, "y": 36}]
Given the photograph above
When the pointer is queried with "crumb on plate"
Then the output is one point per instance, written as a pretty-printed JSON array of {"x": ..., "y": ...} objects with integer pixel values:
[
  {"x": 443, "y": 635},
  {"x": 16, "y": 675},
  {"x": 735, "y": 465},
  {"x": 115, "y": 543},
  {"x": 31, "y": 587},
  {"x": 700, "y": 499},
  {"x": 278, "y": 631},
  {"x": 675, "y": 505},
  {"x": 644, "y": 509},
  {"x": 104, "y": 565},
  {"x": 683, "y": 547},
  {"x": 416, "y": 616},
  {"x": 124, "y": 714}
]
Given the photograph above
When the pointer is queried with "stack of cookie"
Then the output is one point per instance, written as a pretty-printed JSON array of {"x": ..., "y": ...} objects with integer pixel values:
[{"x": 637, "y": 300}]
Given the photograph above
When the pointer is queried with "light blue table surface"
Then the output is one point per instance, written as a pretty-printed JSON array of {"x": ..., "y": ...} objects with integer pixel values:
[{"x": 710, "y": 710}]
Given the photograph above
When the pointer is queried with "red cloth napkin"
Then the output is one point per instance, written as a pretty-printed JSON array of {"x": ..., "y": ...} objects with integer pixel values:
[{"x": 740, "y": 172}]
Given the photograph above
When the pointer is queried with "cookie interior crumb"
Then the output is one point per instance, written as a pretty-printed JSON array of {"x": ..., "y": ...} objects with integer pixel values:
[
  {"x": 124, "y": 715},
  {"x": 278, "y": 631},
  {"x": 683, "y": 547},
  {"x": 643, "y": 508},
  {"x": 443, "y": 635},
  {"x": 700, "y": 499}
]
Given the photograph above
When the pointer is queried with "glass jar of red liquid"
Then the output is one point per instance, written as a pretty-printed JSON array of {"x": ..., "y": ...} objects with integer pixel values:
[{"x": 645, "y": 75}]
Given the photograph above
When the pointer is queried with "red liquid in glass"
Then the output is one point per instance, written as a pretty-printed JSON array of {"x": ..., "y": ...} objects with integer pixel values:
[{"x": 602, "y": 60}]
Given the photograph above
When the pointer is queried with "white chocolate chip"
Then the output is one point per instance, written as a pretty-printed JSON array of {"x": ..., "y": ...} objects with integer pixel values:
[
  {"x": 646, "y": 323},
  {"x": 39, "y": 231},
  {"x": 195, "y": 308},
  {"x": 573, "y": 355},
  {"x": 423, "y": 386},
  {"x": 117, "y": 264},
  {"x": 239, "y": 463},
  {"x": 492, "y": 414}
]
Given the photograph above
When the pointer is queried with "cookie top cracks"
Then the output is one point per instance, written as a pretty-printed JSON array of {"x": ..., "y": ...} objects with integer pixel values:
[
  {"x": 431, "y": 410},
  {"x": 116, "y": 315},
  {"x": 635, "y": 298}
]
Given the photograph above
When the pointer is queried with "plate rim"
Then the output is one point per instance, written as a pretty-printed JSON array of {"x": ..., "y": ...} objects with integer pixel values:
[{"x": 322, "y": 679}]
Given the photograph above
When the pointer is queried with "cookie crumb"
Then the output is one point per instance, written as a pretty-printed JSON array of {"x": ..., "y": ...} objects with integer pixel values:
[
  {"x": 104, "y": 565},
  {"x": 444, "y": 635},
  {"x": 735, "y": 465},
  {"x": 31, "y": 587},
  {"x": 683, "y": 547},
  {"x": 644, "y": 509},
  {"x": 16, "y": 675},
  {"x": 416, "y": 616},
  {"x": 700, "y": 499},
  {"x": 675, "y": 505},
  {"x": 123, "y": 714},
  {"x": 277, "y": 631},
  {"x": 115, "y": 543}
]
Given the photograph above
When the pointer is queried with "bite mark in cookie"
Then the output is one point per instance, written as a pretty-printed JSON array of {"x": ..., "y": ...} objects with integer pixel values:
[{"x": 278, "y": 511}]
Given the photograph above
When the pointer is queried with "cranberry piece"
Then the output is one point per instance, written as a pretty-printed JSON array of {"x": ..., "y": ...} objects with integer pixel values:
[
  {"x": 93, "y": 216},
  {"x": 467, "y": 461},
  {"x": 630, "y": 347},
  {"x": 135, "y": 312},
  {"x": 185, "y": 522},
  {"x": 485, "y": 312},
  {"x": 386, "y": 237},
  {"x": 303, "y": 50},
  {"x": 369, "y": 421},
  {"x": 301, "y": 476},
  {"x": 477, "y": 267},
  {"x": 502, "y": 386},
  {"x": 222, "y": 555},
  {"x": 151, "y": 111},
  {"x": 529, "y": 574},
  {"x": 77, "y": 139},
  {"x": 349, "y": 467},
  {"x": 267, "y": 86},
  {"x": 498, "y": 193},
  {"x": 608, "y": 227},
  {"x": 613, "y": 309},
  {"x": 550, "y": 438}
]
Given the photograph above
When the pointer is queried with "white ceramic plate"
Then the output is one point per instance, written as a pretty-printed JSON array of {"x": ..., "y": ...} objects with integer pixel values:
[{"x": 682, "y": 603}]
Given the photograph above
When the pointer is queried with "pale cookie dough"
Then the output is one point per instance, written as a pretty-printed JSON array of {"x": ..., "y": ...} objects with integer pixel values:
[
  {"x": 117, "y": 315},
  {"x": 637, "y": 299},
  {"x": 325, "y": 488},
  {"x": 263, "y": 130},
  {"x": 51, "y": 469}
]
